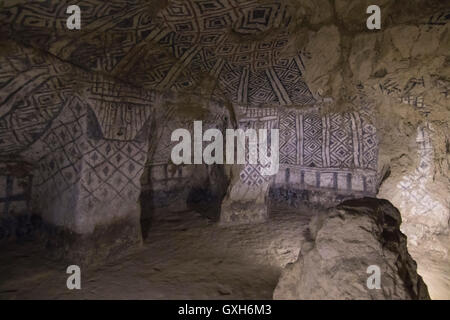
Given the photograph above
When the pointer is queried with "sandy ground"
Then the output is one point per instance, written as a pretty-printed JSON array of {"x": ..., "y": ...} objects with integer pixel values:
[{"x": 186, "y": 256}]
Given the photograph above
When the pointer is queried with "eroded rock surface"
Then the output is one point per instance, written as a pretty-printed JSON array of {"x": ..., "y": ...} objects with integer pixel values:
[{"x": 343, "y": 243}]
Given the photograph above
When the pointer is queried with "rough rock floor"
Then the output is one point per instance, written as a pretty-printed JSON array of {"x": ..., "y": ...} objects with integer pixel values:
[{"x": 185, "y": 256}]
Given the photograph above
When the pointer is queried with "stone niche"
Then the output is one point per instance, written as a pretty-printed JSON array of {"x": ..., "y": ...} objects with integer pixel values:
[{"x": 198, "y": 187}]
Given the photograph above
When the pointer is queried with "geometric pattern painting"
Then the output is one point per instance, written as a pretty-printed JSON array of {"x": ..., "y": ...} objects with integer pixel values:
[
  {"x": 369, "y": 144},
  {"x": 120, "y": 110},
  {"x": 335, "y": 151},
  {"x": 27, "y": 111},
  {"x": 112, "y": 170},
  {"x": 288, "y": 138},
  {"x": 173, "y": 46},
  {"x": 169, "y": 48},
  {"x": 311, "y": 147},
  {"x": 60, "y": 153},
  {"x": 340, "y": 140},
  {"x": 415, "y": 196},
  {"x": 257, "y": 118},
  {"x": 82, "y": 173}
]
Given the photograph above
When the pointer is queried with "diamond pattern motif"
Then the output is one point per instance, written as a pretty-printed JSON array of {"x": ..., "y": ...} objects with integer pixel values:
[{"x": 171, "y": 47}]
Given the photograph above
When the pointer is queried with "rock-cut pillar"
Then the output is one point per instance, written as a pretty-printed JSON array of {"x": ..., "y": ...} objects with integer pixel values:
[
  {"x": 247, "y": 198},
  {"x": 87, "y": 187}
]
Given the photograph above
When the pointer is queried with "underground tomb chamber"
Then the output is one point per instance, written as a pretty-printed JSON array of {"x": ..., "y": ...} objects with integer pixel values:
[{"x": 90, "y": 170}]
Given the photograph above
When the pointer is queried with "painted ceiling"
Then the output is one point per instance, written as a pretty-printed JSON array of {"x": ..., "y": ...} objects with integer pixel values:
[{"x": 173, "y": 45}]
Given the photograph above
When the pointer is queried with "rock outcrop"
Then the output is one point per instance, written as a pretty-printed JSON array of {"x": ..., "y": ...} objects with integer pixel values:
[{"x": 344, "y": 243}]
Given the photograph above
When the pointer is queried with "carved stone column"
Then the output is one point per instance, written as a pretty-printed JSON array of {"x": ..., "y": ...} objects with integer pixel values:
[{"x": 247, "y": 198}]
